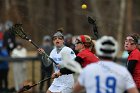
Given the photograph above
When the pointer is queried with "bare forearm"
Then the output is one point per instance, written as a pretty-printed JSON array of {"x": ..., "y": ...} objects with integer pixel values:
[{"x": 77, "y": 88}]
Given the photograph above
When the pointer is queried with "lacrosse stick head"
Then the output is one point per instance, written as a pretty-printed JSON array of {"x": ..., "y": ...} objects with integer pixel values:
[
  {"x": 70, "y": 63},
  {"x": 95, "y": 30},
  {"x": 90, "y": 20},
  {"x": 17, "y": 29},
  {"x": 45, "y": 60}
]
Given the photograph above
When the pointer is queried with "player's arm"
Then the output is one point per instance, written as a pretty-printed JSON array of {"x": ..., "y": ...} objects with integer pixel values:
[
  {"x": 79, "y": 59},
  {"x": 132, "y": 90},
  {"x": 77, "y": 87},
  {"x": 131, "y": 66},
  {"x": 81, "y": 82},
  {"x": 130, "y": 84},
  {"x": 64, "y": 71}
]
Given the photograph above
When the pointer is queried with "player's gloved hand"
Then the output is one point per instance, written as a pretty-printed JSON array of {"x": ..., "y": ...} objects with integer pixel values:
[
  {"x": 41, "y": 50},
  {"x": 56, "y": 75}
]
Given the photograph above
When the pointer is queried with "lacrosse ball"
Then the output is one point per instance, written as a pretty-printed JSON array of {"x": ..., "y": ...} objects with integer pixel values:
[{"x": 84, "y": 6}]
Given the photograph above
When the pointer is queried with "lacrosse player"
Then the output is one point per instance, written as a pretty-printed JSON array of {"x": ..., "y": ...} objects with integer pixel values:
[
  {"x": 86, "y": 55},
  {"x": 133, "y": 61},
  {"x": 64, "y": 83},
  {"x": 105, "y": 76},
  {"x": 86, "y": 49}
]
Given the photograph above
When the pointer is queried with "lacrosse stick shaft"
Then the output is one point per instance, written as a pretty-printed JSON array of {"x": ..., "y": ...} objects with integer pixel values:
[
  {"x": 33, "y": 43},
  {"x": 53, "y": 61},
  {"x": 44, "y": 80},
  {"x": 18, "y": 30},
  {"x": 26, "y": 89},
  {"x": 45, "y": 53},
  {"x": 41, "y": 82}
]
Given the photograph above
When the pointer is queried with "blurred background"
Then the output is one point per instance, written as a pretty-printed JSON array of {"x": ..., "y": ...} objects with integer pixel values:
[
  {"x": 40, "y": 17},
  {"x": 117, "y": 18}
]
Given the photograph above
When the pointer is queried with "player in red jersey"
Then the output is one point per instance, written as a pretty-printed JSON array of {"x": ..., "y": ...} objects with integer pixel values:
[
  {"x": 86, "y": 50},
  {"x": 133, "y": 63},
  {"x": 86, "y": 55}
]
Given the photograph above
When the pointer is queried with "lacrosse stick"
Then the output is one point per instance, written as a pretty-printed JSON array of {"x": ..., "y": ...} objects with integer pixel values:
[
  {"x": 18, "y": 30},
  {"x": 66, "y": 62},
  {"x": 69, "y": 63},
  {"x": 95, "y": 30},
  {"x": 27, "y": 87}
]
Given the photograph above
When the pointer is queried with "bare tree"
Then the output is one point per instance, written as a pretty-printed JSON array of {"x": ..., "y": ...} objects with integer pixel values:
[
  {"x": 121, "y": 22},
  {"x": 129, "y": 16}
]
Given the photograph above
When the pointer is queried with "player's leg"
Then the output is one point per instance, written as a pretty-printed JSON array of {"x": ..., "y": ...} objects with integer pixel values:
[
  {"x": 48, "y": 91},
  {"x": 1, "y": 80},
  {"x": 5, "y": 79}
]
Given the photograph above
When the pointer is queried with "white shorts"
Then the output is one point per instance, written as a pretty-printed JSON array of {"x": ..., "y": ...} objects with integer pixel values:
[{"x": 61, "y": 89}]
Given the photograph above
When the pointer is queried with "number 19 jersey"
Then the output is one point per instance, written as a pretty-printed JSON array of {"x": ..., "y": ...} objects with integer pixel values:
[{"x": 105, "y": 77}]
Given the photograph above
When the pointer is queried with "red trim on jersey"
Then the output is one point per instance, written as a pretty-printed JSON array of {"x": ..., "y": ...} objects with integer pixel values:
[
  {"x": 82, "y": 38},
  {"x": 88, "y": 57},
  {"x": 135, "y": 55}
]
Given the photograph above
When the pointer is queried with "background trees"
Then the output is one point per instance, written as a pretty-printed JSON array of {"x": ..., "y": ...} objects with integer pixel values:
[{"x": 40, "y": 17}]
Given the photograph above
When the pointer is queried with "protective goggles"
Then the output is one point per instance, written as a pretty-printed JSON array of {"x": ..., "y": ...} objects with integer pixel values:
[{"x": 55, "y": 38}]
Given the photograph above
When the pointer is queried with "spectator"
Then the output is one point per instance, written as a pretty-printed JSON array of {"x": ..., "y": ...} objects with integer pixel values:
[
  {"x": 9, "y": 37},
  {"x": 1, "y": 33},
  {"x": 4, "y": 68},
  {"x": 19, "y": 68},
  {"x": 46, "y": 71},
  {"x": 105, "y": 76},
  {"x": 68, "y": 42},
  {"x": 133, "y": 60}
]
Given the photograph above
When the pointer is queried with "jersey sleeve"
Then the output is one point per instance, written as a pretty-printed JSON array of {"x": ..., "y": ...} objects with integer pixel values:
[
  {"x": 70, "y": 52},
  {"x": 134, "y": 56},
  {"x": 81, "y": 55},
  {"x": 129, "y": 81}
]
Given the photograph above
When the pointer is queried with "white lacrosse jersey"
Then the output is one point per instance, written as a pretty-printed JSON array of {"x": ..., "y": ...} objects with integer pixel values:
[
  {"x": 105, "y": 77},
  {"x": 64, "y": 80}
]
